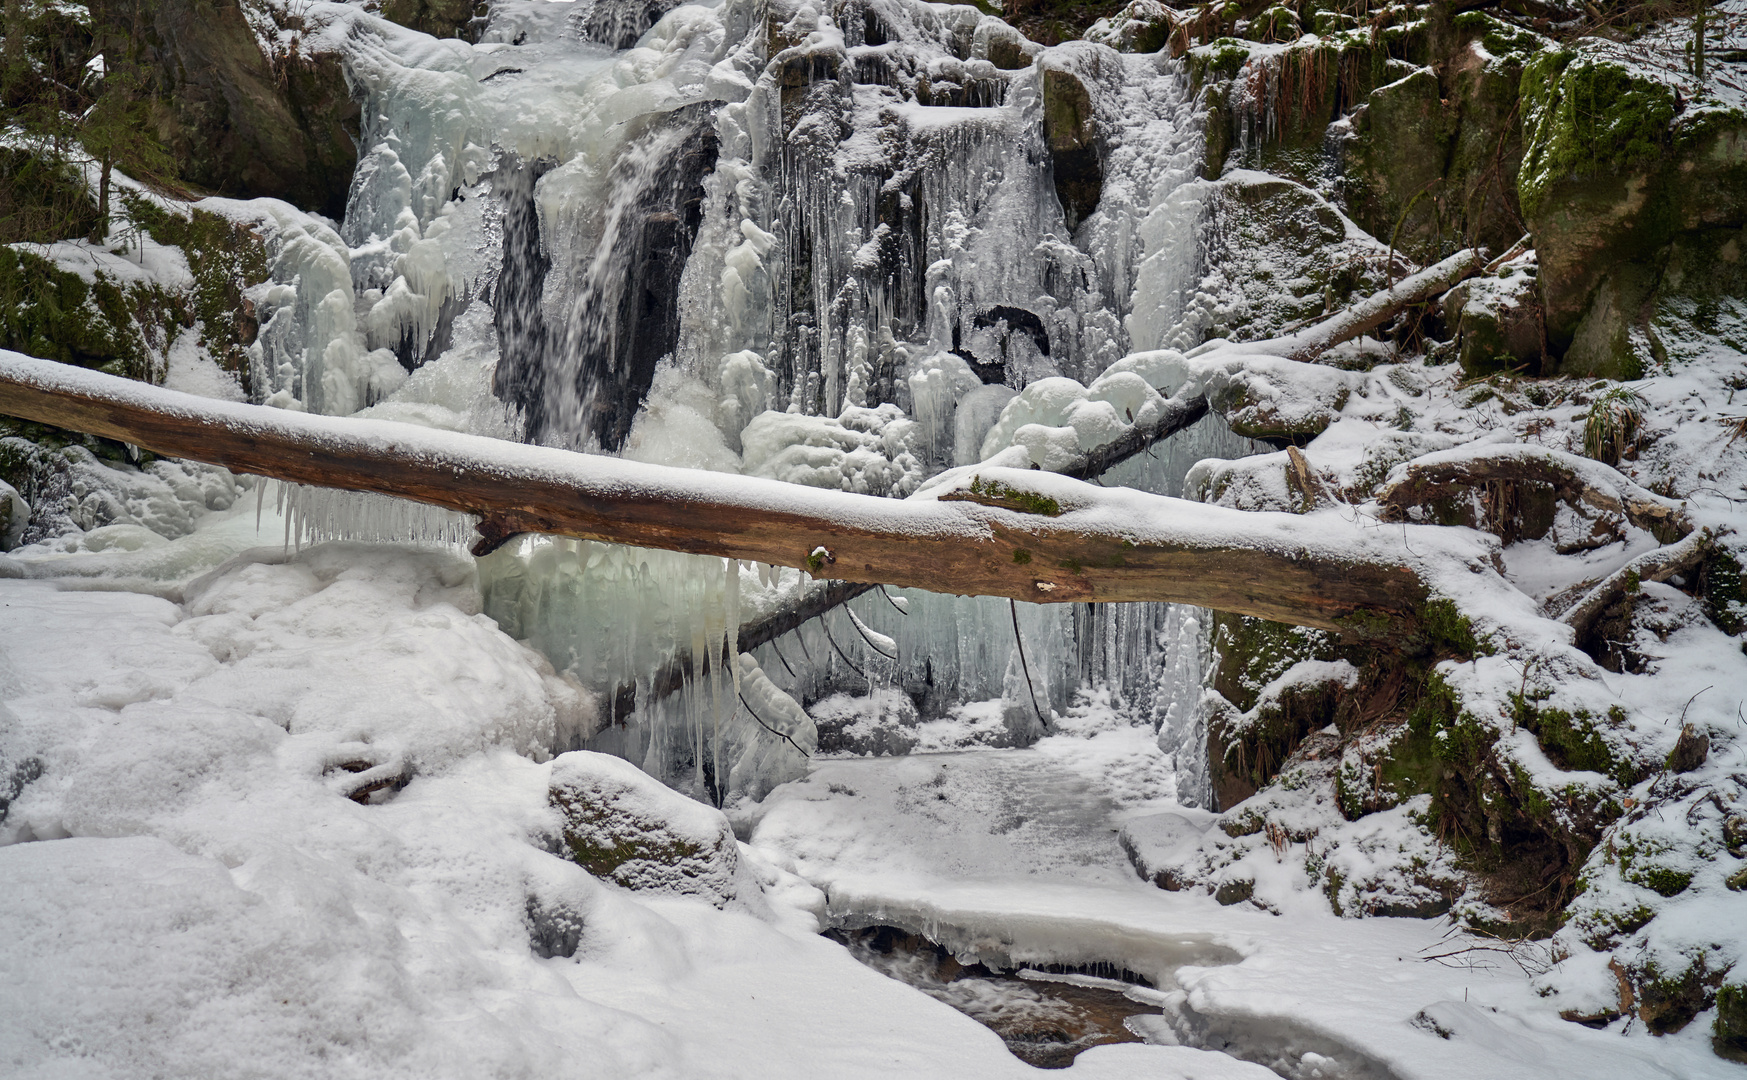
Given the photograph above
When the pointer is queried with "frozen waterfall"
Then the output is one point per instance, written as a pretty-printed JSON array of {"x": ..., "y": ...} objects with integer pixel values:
[{"x": 755, "y": 237}]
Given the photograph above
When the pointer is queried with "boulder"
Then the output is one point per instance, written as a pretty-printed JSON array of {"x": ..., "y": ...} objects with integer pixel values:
[
  {"x": 235, "y": 121},
  {"x": 1496, "y": 320},
  {"x": 1637, "y": 202},
  {"x": 621, "y": 824}
]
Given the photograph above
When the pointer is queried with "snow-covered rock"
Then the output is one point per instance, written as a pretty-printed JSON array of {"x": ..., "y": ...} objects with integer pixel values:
[{"x": 623, "y": 825}]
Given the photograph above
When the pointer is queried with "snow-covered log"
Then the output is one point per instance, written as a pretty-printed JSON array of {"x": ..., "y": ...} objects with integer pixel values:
[
  {"x": 990, "y": 531},
  {"x": 1373, "y": 311}
]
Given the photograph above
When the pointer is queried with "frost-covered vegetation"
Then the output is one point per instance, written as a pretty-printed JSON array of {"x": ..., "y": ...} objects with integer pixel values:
[{"x": 290, "y": 783}]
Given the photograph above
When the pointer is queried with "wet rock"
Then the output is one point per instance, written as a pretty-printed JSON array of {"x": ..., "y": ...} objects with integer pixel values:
[
  {"x": 1006, "y": 49},
  {"x": 621, "y": 824},
  {"x": 441, "y": 18},
  {"x": 1070, "y": 131},
  {"x": 555, "y": 926}
]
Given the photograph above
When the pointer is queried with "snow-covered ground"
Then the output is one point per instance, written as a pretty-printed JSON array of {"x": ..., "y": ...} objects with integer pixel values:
[{"x": 200, "y": 897}]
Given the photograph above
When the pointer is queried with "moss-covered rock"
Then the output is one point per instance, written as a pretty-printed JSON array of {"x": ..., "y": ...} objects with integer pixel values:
[
  {"x": 1729, "y": 1029},
  {"x": 621, "y": 824},
  {"x": 1496, "y": 321},
  {"x": 1636, "y": 203},
  {"x": 234, "y": 120},
  {"x": 226, "y": 259},
  {"x": 122, "y": 328}
]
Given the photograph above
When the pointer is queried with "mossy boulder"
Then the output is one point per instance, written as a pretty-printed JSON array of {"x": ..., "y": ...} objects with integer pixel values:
[
  {"x": 118, "y": 327},
  {"x": 1636, "y": 201},
  {"x": 235, "y": 121},
  {"x": 226, "y": 259},
  {"x": 621, "y": 824},
  {"x": 1496, "y": 321}
]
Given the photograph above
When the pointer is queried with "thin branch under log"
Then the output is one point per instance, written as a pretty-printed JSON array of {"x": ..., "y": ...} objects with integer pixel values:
[
  {"x": 814, "y": 601},
  {"x": 1101, "y": 546}
]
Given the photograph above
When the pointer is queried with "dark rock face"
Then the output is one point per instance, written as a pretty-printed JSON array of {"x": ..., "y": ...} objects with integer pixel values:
[
  {"x": 438, "y": 18},
  {"x": 655, "y": 241},
  {"x": 234, "y": 121},
  {"x": 1637, "y": 211},
  {"x": 1071, "y": 134}
]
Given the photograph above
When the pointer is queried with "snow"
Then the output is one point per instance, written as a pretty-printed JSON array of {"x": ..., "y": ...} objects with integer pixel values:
[{"x": 285, "y": 805}]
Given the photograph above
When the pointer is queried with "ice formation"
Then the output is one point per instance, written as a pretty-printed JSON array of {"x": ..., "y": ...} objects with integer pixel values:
[{"x": 819, "y": 249}]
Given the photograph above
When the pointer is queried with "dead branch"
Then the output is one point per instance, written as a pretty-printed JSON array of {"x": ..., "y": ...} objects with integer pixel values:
[
  {"x": 1659, "y": 565},
  {"x": 1449, "y": 478}
]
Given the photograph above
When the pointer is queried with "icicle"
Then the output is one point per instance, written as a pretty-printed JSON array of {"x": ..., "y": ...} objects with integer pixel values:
[{"x": 733, "y": 627}]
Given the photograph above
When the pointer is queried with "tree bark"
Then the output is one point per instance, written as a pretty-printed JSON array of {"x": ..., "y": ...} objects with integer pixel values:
[{"x": 1020, "y": 534}]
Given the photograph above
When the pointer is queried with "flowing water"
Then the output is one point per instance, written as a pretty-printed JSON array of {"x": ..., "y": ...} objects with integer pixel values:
[{"x": 1045, "y": 1018}]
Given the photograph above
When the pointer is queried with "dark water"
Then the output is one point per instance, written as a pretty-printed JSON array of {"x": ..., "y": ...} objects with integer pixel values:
[{"x": 1044, "y": 1022}]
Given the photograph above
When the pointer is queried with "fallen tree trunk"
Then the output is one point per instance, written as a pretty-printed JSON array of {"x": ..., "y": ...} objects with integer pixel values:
[
  {"x": 1020, "y": 534},
  {"x": 1373, "y": 311}
]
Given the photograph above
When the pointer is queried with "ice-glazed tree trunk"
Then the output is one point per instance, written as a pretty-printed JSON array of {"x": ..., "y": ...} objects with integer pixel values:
[{"x": 987, "y": 531}]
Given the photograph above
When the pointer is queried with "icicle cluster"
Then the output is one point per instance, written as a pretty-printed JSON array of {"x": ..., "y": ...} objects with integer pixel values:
[{"x": 316, "y": 514}]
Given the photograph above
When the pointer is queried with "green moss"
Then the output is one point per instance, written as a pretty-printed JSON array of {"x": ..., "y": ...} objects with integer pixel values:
[
  {"x": 1021, "y": 556},
  {"x": 995, "y": 493},
  {"x": 1724, "y": 592},
  {"x": 42, "y": 200},
  {"x": 1504, "y": 41},
  {"x": 226, "y": 259},
  {"x": 1573, "y": 741},
  {"x": 57, "y": 315},
  {"x": 1222, "y": 59},
  {"x": 604, "y": 858},
  {"x": 1601, "y": 930},
  {"x": 1660, "y": 880},
  {"x": 1583, "y": 117}
]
